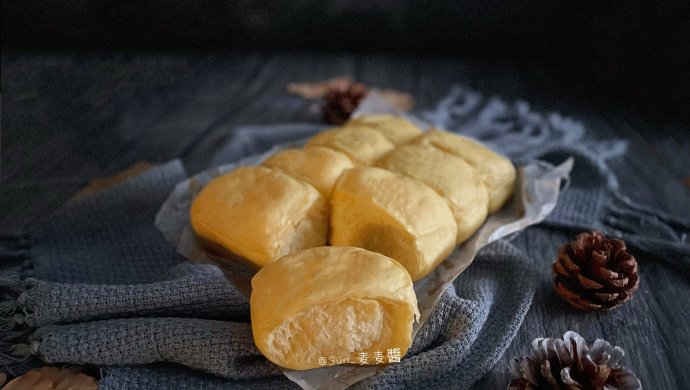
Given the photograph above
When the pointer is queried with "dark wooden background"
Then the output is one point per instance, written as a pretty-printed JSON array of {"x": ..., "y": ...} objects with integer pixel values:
[
  {"x": 90, "y": 88},
  {"x": 637, "y": 51},
  {"x": 69, "y": 118}
]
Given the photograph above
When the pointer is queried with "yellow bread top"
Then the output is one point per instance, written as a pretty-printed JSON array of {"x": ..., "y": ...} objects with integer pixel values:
[
  {"x": 450, "y": 176},
  {"x": 392, "y": 214},
  {"x": 396, "y": 129},
  {"x": 496, "y": 171},
  {"x": 363, "y": 145},
  {"x": 260, "y": 214},
  {"x": 318, "y": 166},
  {"x": 331, "y": 301}
]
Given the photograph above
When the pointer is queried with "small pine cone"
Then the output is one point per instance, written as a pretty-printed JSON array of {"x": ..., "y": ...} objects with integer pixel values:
[
  {"x": 595, "y": 272},
  {"x": 339, "y": 103},
  {"x": 572, "y": 364}
]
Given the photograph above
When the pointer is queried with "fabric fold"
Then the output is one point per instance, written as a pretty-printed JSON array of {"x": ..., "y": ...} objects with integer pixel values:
[
  {"x": 197, "y": 290},
  {"x": 467, "y": 332},
  {"x": 217, "y": 347}
]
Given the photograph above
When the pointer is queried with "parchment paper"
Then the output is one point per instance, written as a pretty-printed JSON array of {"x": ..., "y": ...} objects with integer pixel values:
[{"x": 536, "y": 193}]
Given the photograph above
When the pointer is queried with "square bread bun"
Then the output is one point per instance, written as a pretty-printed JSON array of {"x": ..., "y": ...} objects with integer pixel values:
[
  {"x": 259, "y": 214},
  {"x": 331, "y": 302},
  {"x": 396, "y": 129},
  {"x": 450, "y": 176},
  {"x": 392, "y": 214},
  {"x": 317, "y": 165},
  {"x": 496, "y": 171},
  {"x": 363, "y": 145}
]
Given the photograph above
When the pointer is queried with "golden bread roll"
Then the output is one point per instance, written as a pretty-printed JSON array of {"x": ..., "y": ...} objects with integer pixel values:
[
  {"x": 394, "y": 215},
  {"x": 363, "y": 145},
  {"x": 496, "y": 171},
  {"x": 396, "y": 129},
  {"x": 318, "y": 166},
  {"x": 331, "y": 302},
  {"x": 450, "y": 176},
  {"x": 259, "y": 214}
]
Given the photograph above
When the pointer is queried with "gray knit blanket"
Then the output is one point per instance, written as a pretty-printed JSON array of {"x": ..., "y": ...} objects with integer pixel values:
[{"x": 96, "y": 283}]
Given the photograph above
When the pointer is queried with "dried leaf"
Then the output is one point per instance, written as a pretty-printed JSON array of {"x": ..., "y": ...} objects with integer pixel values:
[
  {"x": 317, "y": 90},
  {"x": 397, "y": 99},
  {"x": 53, "y": 378},
  {"x": 101, "y": 183}
]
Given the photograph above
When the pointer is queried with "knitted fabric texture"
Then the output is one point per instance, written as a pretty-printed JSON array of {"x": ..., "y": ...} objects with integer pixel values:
[{"x": 100, "y": 285}]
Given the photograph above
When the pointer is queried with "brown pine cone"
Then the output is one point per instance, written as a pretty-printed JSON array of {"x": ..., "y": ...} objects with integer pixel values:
[
  {"x": 572, "y": 364},
  {"x": 595, "y": 272},
  {"x": 339, "y": 103}
]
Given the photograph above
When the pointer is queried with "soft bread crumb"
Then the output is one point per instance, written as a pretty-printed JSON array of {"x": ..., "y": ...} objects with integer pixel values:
[{"x": 334, "y": 329}]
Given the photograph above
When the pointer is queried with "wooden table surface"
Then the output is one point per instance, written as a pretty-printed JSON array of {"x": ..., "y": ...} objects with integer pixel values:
[{"x": 67, "y": 119}]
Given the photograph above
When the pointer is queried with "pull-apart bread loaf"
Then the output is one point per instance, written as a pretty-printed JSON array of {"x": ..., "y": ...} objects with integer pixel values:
[
  {"x": 262, "y": 213},
  {"x": 392, "y": 201},
  {"x": 331, "y": 302}
]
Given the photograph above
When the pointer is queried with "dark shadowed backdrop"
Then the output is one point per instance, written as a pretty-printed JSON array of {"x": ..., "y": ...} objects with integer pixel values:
[
  {"x": 92, "y": 88},
  {"x": 637, "y": 51}
]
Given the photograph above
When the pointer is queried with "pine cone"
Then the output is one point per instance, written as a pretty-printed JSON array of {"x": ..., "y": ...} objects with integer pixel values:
[
  {"x": 572, "y": 364},
  {"x": 339, "y": 103},
  {"x": 595, "y": 272}
]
